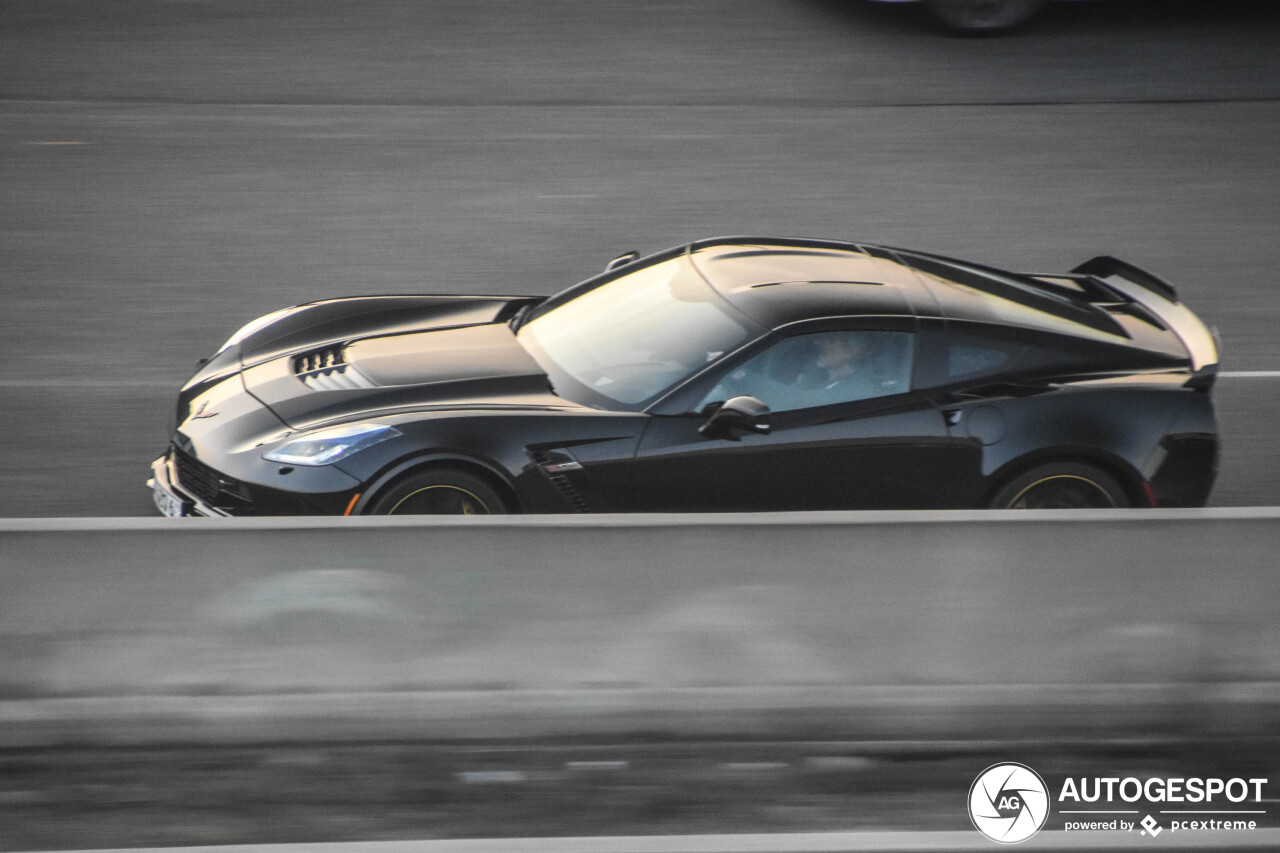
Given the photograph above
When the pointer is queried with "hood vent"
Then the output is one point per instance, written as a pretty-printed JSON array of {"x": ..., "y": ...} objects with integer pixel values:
[{"x": 326, "y": 369}]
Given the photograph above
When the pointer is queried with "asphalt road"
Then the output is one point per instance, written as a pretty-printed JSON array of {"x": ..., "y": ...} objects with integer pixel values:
[
  {"x": 668, "y": 797},
  {"x": 171, "y": 169}
]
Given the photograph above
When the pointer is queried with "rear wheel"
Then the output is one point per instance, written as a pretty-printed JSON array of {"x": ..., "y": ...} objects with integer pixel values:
[
  {"x": 984, "y": 16},
  {"x": 1062, "y": 485},
  {"x": 439, "y": 491}
]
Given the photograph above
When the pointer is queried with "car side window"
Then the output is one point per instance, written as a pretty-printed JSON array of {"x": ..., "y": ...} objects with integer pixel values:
[
  {"x": 973, "y": 355},
  {"x": 967, "y": 359},
  {"x": 822, "y": 369}
]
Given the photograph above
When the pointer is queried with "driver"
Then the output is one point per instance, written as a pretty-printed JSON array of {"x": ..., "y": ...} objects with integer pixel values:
[
  {"x": 808, "y": 370},
  {"x": 844, "y": 369}
]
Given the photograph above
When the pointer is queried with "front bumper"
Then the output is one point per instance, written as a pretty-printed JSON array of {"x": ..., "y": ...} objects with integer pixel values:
[
  {"x": 182, "y": 485},
  {"x": 171, "y": 500}
]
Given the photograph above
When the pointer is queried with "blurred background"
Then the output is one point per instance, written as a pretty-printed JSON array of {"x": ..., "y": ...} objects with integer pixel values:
[
  {"x": 171, "y": 169},
  {"x": 175, "y": 168}
]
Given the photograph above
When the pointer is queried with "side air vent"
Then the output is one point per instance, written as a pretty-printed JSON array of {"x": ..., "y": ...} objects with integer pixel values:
[
  {"x": 553, "y": 465},
  {"x": 327, "y": 370}
]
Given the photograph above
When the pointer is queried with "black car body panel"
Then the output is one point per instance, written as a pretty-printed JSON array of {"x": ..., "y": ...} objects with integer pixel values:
[
  {"x": 315, "y": 327},
  {"x": 399, "y": 372},
  {"x": 335, "y": 320},
  {"x": 599, "y": 399}
]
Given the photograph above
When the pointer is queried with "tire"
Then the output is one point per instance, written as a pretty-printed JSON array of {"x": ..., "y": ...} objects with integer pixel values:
[
  {"x": 1062, "y": 485},
  {"x": 984, "y": 16},
  {"x": 438, "y": 491}
]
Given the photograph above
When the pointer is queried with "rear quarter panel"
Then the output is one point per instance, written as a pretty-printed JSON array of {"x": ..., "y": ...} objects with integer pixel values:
[{"x": 1125, "y": 430}]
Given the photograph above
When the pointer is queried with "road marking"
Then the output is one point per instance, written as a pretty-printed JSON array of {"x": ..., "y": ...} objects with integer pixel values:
[
  {"x": 1249, "y": 374},
  {"x": 492, "y": 777},
  {"x": 91, "y": 383},
  {"x": 57, "y": 143},
  {"x": 597, "y": 765}
]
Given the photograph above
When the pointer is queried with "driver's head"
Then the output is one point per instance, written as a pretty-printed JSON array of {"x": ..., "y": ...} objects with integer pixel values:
[{"x": 838, "y": 355}]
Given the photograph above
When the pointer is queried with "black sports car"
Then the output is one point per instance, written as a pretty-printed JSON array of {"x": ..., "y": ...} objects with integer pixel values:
[{"x": 728, "y": 374}]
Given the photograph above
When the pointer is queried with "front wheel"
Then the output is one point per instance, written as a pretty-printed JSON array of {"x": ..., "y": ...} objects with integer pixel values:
[
  {"x": 984, "y": 16},
  {"x": 441, "y": 491},
  {"x": 1062, "y": 485}
]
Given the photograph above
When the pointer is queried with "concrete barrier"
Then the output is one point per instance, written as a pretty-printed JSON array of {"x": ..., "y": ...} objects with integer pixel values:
[{"x": 918, "y": 625}]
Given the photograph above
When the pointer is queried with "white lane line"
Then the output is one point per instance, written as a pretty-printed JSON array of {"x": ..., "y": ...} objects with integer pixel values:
[
  {"x": 91, "y": 383},
  {"x": 1249, "y": 374},
  {"x": 597, "y": 765},
  {"x": 492, "y": 777}
]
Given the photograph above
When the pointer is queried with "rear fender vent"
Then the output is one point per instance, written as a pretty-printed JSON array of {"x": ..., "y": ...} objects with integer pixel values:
[{"x": 326, "y": 369}]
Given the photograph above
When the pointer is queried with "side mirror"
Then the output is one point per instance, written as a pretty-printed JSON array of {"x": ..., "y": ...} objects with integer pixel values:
[
  {"x": 622, "y": 261},
  {"x": 736, "y": 417}
]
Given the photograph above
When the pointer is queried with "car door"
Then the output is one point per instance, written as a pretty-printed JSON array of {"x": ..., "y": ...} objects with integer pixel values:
[{"x": 870, "y": 441}]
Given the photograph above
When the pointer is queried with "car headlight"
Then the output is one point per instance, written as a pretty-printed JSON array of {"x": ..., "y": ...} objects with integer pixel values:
[
  {"x": 253, "y": 326},
  {"x": 329, "y": 445}
]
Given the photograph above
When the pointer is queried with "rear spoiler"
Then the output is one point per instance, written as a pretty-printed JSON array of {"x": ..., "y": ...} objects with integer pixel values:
[
  {"x": 1160, "y": 298},
  {"x": 1105, "y": 266},
  {"x": 1105, "y": 279}
]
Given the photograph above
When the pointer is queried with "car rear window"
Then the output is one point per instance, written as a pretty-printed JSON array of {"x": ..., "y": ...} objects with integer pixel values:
[
  {"x": 975, "y": 293},
  {"x": 969, "y": 351}
]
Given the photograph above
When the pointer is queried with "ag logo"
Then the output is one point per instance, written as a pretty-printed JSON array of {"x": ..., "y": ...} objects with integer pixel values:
[{"x": 1008, "y": 803}]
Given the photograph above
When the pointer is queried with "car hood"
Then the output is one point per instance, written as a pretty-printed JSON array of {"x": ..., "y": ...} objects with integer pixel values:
[
  {"x": 344, "y": 358},
  {"x": 480, "y": 366},
  {"x": 351, "y": 318}
]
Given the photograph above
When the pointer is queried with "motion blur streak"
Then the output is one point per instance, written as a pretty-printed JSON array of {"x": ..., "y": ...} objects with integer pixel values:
[{"x": 208, "y": 620}]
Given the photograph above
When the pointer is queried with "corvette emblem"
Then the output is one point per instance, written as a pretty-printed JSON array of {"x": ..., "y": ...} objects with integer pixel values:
[{"x": 201, "y": 413}]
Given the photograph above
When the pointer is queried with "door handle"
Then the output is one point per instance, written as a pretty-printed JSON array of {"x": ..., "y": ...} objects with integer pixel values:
[{"x": 952, "y": 416}]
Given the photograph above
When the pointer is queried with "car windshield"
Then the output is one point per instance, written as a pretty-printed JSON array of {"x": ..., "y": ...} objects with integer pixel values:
[{"x": 625, "y": 342}]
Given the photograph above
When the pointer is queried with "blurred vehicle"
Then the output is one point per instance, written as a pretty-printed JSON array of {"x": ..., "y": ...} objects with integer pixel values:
[
  {"x": 730, "y": 374},
  {"x": 980, "y": 16}
]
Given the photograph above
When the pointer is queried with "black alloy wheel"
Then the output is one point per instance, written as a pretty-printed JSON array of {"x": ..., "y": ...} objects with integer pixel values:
[
  {"x": 1062, "y": 485},
  {"x": 439, "y": 491}
]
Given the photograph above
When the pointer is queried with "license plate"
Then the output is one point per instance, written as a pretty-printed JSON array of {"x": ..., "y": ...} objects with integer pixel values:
[{"x": 168, "y": 504}]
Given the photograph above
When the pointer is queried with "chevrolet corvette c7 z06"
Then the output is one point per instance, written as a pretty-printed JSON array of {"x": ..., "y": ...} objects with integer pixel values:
[{"x": 730, "y": 374}]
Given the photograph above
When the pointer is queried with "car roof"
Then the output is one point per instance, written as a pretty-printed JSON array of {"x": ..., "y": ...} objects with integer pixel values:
[{"x": 777, "y": 281}]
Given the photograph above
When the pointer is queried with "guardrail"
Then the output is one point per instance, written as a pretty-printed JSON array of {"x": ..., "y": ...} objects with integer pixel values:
[{"x": 877, "y": 625}]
